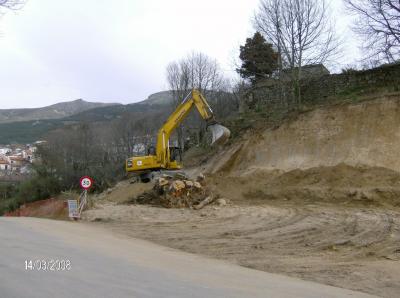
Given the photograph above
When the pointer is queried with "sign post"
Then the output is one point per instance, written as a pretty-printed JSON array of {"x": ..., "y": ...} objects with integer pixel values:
[
  {"x": 75, "y": 207},
  {"x": 86, "y": 183}
]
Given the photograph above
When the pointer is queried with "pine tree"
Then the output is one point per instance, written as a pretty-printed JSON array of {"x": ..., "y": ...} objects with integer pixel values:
[{"x": 259, "y": 59}]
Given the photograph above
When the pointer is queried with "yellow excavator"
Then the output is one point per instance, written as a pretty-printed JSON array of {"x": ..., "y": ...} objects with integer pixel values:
[{"x": 164, "y": 157}]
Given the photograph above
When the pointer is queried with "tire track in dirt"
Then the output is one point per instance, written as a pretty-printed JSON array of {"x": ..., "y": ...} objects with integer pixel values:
[{"x": 351, "y": 247}]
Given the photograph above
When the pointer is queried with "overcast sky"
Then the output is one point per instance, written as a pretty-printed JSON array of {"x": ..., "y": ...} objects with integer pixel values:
[{"x": 117, "y": 51}]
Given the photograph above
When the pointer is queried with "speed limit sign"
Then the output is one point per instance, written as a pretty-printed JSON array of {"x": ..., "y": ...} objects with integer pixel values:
[{"x": 86, "y": 182}]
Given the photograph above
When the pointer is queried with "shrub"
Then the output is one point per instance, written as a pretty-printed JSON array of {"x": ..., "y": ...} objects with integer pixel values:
[
  {"x": 41, "y": 186},
  {"x": 37, "y": 188}
]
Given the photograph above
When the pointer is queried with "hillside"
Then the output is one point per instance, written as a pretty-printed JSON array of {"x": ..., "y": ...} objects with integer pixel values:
[
  {"x": 163, "y": 98},
  {"x": 358, "y": 134},
  {"x": 114, "y": 112},
  {"x": 26, "y": 132},
  {"x": 40, "y": 121},
  {"x": 56, "y": 111}
]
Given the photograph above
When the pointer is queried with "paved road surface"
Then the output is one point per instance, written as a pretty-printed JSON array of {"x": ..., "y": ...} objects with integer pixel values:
[{"x": 105, "y": 265}]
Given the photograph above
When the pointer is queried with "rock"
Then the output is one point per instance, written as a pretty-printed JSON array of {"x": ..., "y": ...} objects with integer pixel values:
[
  {"x": 203, "y": 203},
  {"x": 188, "y": 183},
  {"x": 201, "y": 178},
  {"x": 178, "y": 185},
  {"x": 221, "y": 202},
  {"x": 109, "y": 191},
  {"x": 162, "y": 181},
  {"x": 197, "y": 185},
  {"x": 180, "y": 176}
]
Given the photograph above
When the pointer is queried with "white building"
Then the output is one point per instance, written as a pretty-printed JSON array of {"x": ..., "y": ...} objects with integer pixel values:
[
  {"x": 27, "y": 155},
  {"x": 4, "y": 151},
  {"x": 5, "y": 163}
]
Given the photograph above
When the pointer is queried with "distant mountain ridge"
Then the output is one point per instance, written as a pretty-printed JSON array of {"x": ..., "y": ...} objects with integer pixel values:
[
  {"x": 56, "y": 111},
  {"x": 159, "y": 98},
  {"x": 29, "y": 125}
]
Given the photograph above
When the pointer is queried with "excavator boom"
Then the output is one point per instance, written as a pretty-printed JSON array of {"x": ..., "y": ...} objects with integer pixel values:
[{"x": 162, "y": 158}]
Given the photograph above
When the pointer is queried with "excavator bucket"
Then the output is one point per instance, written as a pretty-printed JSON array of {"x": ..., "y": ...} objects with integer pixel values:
[{"x": 220, "y": 134}]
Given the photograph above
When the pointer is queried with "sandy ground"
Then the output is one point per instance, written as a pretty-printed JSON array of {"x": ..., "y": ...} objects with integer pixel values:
[
  {"x": 347, "y": 244},
  {"x": 101, "y": 264}
]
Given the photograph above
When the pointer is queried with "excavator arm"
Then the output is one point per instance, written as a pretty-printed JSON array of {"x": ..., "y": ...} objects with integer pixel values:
[
  {"x": 194, "y": 99},
  {"x": 162, "y": 158}
]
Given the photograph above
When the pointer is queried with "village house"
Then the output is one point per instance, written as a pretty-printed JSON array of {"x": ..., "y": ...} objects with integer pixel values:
[
  {"x": 17, "y": 161},
  {"x": 27, "y": 155},
  {"x": 5, "y": 151},
  {"x": 16, "y": 158},
  {"x": 5, "y": 163}
]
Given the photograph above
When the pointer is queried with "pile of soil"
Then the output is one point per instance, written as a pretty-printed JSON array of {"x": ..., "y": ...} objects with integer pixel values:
[
  {"x": 371, "y": 186},
  {"x": 173, "y": 192},
  {"x": 342, "y": 176}
]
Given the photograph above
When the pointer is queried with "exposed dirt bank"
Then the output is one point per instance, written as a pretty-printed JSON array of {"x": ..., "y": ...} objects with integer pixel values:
[
  {"x": 367, "y": 133},
  {"x": 55, "y": 208},
  {"x": 341, "y": 185}
]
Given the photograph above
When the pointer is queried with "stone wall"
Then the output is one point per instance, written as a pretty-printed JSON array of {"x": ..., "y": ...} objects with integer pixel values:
[{"x": 321, "y": 90}]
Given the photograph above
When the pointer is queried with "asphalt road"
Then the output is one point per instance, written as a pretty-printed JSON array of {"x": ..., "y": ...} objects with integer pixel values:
[{"x": 106, "y": 265}]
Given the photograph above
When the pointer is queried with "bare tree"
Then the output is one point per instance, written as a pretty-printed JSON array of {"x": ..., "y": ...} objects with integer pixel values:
[
  {"x": 178, "y": 78},
  {"x": 204, "y": 73},
  {"x": 301, "y": 31},
  {"x": 198, "y": 71},
  {"x": 379, "y": 24},
  {"x": 12, "y": 4}
]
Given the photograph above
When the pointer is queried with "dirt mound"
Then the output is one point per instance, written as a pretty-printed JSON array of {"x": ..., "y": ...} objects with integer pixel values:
[
  {"x": 123, "y": 192},
  {"x": 171, "y": 192},
  {"x": 341, "y": 176},
  {"x": 344, "y": 153},
  {"x": 338, "y": 184},
  {"x": 366, "y": 133},
  {"x": 341, "y": 183}
]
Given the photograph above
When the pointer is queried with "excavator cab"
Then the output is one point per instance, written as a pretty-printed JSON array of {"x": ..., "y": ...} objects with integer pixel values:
[
  {"x": 151, "y": 150},
  {"x": 175, "y": 154}
]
